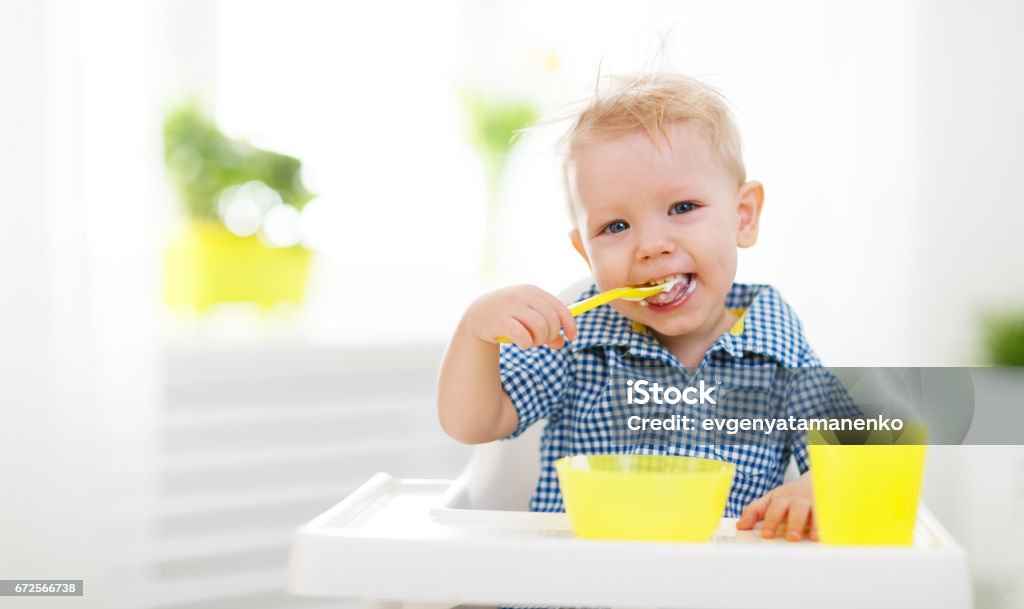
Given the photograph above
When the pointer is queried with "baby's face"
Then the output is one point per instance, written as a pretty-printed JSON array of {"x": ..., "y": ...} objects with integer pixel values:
[{"x": 649, "y": 212}]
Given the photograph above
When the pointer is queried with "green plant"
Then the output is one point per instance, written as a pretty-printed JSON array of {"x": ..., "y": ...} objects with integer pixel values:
[
  {"x": 1004, "y": 338},
  {"x": 203, "y": 161},
  {"x": 492, "y": 126}
]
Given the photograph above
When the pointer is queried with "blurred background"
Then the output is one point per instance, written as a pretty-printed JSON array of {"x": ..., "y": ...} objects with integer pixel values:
[{"x": 235, "y": 236}]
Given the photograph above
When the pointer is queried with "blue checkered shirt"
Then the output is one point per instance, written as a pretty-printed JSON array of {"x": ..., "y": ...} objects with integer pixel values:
[{"x": 563, "y": 386}]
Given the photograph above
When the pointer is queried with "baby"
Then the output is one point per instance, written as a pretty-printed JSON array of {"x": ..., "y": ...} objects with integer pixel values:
[{"x": 657, "y": 190}]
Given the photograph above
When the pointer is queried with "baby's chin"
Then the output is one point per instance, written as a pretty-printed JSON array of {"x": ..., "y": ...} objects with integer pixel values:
[{"x": 677, "y": 328}]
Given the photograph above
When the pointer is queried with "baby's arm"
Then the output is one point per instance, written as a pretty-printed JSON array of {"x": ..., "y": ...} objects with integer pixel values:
[{"x": 471, "y": 404}]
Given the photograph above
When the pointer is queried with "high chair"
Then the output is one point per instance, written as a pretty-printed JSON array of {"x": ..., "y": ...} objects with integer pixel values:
[{"x": 440, "y": 543}]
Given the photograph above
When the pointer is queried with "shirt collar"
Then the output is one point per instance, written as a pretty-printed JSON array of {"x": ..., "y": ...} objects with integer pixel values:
[{"x": 768, "y": 327}]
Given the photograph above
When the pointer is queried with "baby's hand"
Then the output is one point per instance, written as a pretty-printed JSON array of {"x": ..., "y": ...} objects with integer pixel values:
[
  {"x": 790, "y": 503},
  {"x": 526, "y": 314}
]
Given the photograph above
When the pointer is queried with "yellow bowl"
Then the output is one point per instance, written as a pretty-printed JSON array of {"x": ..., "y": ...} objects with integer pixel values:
[{"x": 644, "y": 497}]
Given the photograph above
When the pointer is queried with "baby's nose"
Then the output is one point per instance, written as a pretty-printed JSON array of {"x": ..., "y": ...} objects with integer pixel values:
[{"x": 655, "y": 246}]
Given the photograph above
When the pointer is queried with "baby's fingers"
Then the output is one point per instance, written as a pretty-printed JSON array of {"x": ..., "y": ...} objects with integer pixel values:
[
  {"x": 551, "y": 335},
  {"x": 565, "y": 318},
  {"x": 557, "y": 342},
  {"x": 799, "y": 514},
  {"x": 518, "y": 333},
  {"x": 773, "y": 517},
  {"x": 558, "y": 317},
  {"x": 536, "y": 323},
  {"x": 753, "y": 513}
]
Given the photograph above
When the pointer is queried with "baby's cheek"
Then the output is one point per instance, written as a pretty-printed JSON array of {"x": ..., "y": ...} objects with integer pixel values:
[
  {"x": 721, "y": 255},
  {"x": 607, "y": 276}
]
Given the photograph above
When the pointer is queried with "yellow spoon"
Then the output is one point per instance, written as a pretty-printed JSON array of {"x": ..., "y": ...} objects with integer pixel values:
[{"x": 625, "y": 293}]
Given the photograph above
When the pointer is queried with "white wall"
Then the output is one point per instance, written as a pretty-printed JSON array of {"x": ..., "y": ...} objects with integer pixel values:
[
  {"x": 967, "y": 226},
  {"x": 77, "y": 354},
  {"x": 971, "y": 209}
]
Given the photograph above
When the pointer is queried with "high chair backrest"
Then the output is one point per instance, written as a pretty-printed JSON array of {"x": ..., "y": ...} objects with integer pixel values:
[{"x": 502, "y": 475}]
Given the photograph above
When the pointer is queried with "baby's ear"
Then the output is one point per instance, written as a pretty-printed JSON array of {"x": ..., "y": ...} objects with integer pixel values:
[
  {"x": 577, "y": 243},
  {"x": 751, "y": 198}
]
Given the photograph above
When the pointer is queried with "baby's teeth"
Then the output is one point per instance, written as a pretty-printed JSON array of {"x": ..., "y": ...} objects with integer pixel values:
[{"x": 678, "y": 277}]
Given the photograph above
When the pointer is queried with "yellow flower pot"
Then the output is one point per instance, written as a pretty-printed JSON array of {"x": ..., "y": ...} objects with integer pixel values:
[{"x": 207, "y": 265}]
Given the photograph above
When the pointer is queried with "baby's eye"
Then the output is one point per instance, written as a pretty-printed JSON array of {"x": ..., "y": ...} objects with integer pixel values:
[
  {"x": 616, "y": 227},
  {"x": 683, "y": 207}
]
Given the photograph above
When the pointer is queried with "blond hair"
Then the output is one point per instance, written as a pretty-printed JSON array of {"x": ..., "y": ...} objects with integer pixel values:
[{"x": 652, "y": 102}]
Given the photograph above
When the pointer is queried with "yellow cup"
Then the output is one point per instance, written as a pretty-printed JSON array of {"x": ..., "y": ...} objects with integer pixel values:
[
  {"x": 644, "y": 497},
  {"x": 867, "y": 493}
]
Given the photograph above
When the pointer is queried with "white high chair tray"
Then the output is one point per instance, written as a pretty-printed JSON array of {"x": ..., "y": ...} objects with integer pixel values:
[{"x": 407, "y": 540}]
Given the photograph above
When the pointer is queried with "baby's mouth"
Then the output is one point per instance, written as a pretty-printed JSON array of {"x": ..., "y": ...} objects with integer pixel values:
[{"x": 685, "y": 283}]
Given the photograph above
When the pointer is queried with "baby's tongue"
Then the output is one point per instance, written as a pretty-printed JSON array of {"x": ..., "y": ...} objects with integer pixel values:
[{"x": 671, "y": 294}]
